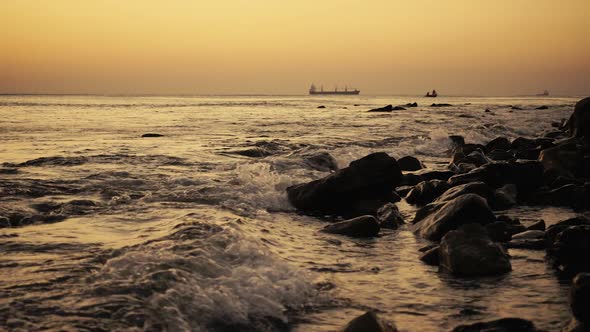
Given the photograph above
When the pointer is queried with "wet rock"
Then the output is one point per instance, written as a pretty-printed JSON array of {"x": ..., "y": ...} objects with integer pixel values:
[
  {"x": 389, "y": 216},
  {"x": 532, "y": 244},
  {"x": 478, "y": 188},
  {"x": 538, "y": 226},
  {"x": 253, "y": 153},
  {"x": 431, "y": 256},
  {"x": 516, "y": 108},
  {"x": 529, "y": 235},
  {"x": 371, "y": 178},
  {"x": 543, "y": 107},
  {"x": 411, "y": 179},
  {"x": 440, "y": 105},
  {"x": 322, "y": 161},
  {"x": 363, "y": 226},
  {"x": 321, "y": 106},
  {"x": 569, "y": 249},
  {"x": 469, "y": 251},
  {"x": 465, "y": 209},
  {"x": 414, "y": 104},
  {"x": 501, "y": 231},
  {"x": 425, "y": 192},
  {"x": 526, "y": 175},
  {"x": 499, "y": 325},
  {"x": 152, "y": 135},
  {"x": 427, "y": 175},
  {"x": 500, "y": 155},
  {"x": 387, "y": 108},
  {"x": 580, "y": 298},
  {"x": 8, "y": 170},
  {"x": 369, "y": 322},
  {"x": 579, "y": 122},
  {"x": 457, "y": 140},
  {"x": 403, "y": 191},
  {"x": 499, "y": 143},
  {"x": 575, "y": 196},
  {"x": 398, "y": 108},
  {"x": 409, "y": 163},
  {"x": 565, "y": 159},
  {"x": 505, "y": 197}
]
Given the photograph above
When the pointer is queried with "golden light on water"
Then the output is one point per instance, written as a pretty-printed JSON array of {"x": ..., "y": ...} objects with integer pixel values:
[{"x": 263, "y": 46}]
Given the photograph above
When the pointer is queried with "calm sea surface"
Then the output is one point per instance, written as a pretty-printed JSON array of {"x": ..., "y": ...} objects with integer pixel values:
[{"x": 181, "y": 233}]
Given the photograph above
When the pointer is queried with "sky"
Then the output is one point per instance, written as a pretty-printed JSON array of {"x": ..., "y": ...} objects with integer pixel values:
[{"x": 382, "y": 47}]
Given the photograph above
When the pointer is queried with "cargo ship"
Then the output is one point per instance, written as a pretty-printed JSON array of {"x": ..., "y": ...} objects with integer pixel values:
[{"x": 314, "y": 91}]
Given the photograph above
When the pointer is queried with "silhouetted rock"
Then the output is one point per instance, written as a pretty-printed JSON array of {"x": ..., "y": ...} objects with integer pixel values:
[
  {"x": 411, "y": 179},
  {"x": 387, "y": 108},
  {"x": 469, "y": 251},
  {"x": 409, "y": 163},
  {"x": 414, "y": 104},
  {"x": 579, "y": 122},
  {"x": 499, "y": 325},
  {"x": 569, "y": 248},
  {"x": 389, "y": 216},
  {"x": 538, "y": 226},
  {"x": 363, "y": 226},
  {"x": 457, "y": 140},
  {"x": 516, "y": 108},
  {"x": 398, "y": 108},
  {"x": 253, "y": 152},
  {"x": 526, "y": 175},
  {"x": 544, "y": 107},
  {"x": 571, "y": 195},
  {"x": 500, "y": 155},
  {"x": 532, "y": 244},
  {"x": 440, "y": 105},
  {"x": 529, "y": 235},
  {"x": 321, "y": 161},
  {"x": 369, "y": 322},
  {"x": 427, "y": 175},
  {"x": 431, "y": 256},
  {"x": 465, "y": 209},
  {"x": 501, "y": 231},
  {"x": 580, "y": 297},
  {"x": 321, "y": 106},
  {"x": 499, "y": 143},
  {"x": 425, "y": 192},
  {"x": 505, "y": 197},
  {"x": 152, "y": 135},
  {"x": 565, "y": 159},
  {"x": 345, "y": 192},
  {"x": 478, "y": 188}
]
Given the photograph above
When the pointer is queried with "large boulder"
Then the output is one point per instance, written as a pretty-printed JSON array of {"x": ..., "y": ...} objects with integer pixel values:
[
  {"x": 565, "y": 159},
  {"x": 499, "y": 143},
  {"x": 363, "y": 226},
  {"x": 465, "y": 209},
  {"x": 569, "y": 248},
  {"x": 526, "y": 175},
  {"x": 478, "y": 188},
  {"x": 579, "y": 122},
  {"x": 469, "y": 251},
  {"x": 572, "y": 195},
  {"x": 580, "y": 298},
  {"x": 499, "y": 325},
  {"x": 365, "y": 185},
  {"x": 425, "y": 192},
  {"x": 369, "y": 322}
]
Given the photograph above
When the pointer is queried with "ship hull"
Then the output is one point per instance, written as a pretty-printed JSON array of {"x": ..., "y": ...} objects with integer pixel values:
[{"x": 356, "y": 92}]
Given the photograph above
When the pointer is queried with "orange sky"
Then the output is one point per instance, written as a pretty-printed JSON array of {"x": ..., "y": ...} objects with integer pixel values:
[{"x": 472, "y": 47}]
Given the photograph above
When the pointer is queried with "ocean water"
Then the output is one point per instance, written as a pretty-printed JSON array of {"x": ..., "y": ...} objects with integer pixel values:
[{"x": 111, "y": 231}]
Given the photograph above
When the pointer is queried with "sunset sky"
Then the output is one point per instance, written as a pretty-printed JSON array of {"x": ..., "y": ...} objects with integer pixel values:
[{"x": 470, "y": 47}]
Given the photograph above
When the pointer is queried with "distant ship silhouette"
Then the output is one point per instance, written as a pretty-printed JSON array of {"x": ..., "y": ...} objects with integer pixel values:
[{"x": 314, "y": 91}]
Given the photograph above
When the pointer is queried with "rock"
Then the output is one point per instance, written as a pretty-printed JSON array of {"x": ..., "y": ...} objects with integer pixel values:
[
  {"x": 544, "y": 107},
  {"x": 369, "y": 322},
  {"x": 321, "y": 161},
  {"x": 403, "y": 191},
  {"x": 253, "y": 152},
  {"x": 414, "y": 104},
  {"x": 8, "y": 170},
  {"x": 152, "y": 135},
  {"x": 465, "y": 209},
  {"x": 431, "y": 256},
  {"x": 575, "y": 196},
  {"x": 565, "y": 159},
  {"x": 321, "y": 106},
  {"x": 427, "y": 175},
  {"x": 372, "y": 178},
  {"x": 457, "y": 140},
  {"x": 398, "y": 108},
  {"x": 468, "y": 251},
  {"x": 532, "y": 244},
  {"x": 478, "y": 188},
  {"x": 505, "y": 197},
  {"x": 387, "y": 108},
  {"x": 516, "y": 108},
  {"x": 501, "y": 231},
  {"x": 425, "y": 192},
  {"x": 538, "y": 226},
  {"x": 363, "y": 226},
  {"x": 579, "y": 122},
  {"x": 440, "y": 105},
  {"x": 499, "y": 143},
  {"x": 499, "y": 325},
  {"x": 529, "y": 235},
  {"x": 409, "y": 163},
  {"x": 487, "y": 110},
  {"x": 526, "y": 175},
  {"x": 389, "y": 216},
  {"x": 500, "y": 155},
  {"x": 580, "y": 297},
  {"x": 411, "y": 179},
  {"x": 553, "y": 230},
  {"x": 569, "y": 249}
]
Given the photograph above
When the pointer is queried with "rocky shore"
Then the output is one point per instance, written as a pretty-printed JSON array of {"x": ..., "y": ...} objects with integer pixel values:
[{"x": 457, "y": 209}]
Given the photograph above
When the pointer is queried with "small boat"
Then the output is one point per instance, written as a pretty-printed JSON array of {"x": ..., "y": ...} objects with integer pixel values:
[
  {"x": 431, "y": 95},
  {"x": 314, "y": 91}
]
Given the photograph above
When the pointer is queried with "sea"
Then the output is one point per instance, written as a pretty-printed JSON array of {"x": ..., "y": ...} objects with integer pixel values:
[{"x": 102, "y": 229}]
